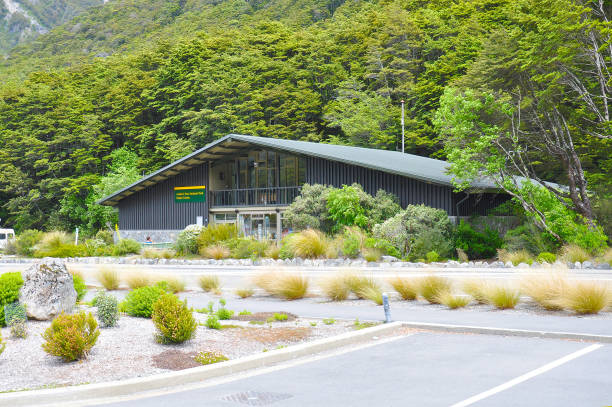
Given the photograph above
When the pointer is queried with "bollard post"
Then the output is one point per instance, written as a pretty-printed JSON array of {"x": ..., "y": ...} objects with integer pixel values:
[{"x": 386, "y": 307}]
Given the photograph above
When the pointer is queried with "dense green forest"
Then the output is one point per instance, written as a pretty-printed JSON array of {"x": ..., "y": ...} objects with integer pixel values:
[{"x": 154, "y": 80}]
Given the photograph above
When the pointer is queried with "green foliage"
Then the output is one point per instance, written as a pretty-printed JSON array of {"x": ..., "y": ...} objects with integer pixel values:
[
  {"x": 309, "y": 209},
  {"x": 210, "y": 283},
  {"x": 79, "y": 286},
  {"x": 546, "y": 257},
  {"x": 27, "y": 240},
  {"x": 516, "y": 257},
  {"x": 528, "y": 237},
  {"x": 431, "y": 287},
  {"x": 10, "y": 284},
  {"x": 173, "y": 320},
  {"x": 71, "y": 337},
  {"x": 280, "y": 317},
  {"x": 329, "y": 321},
  {"x": 351, "y": 245},
  {"x": 15, "y": 315},
  {"x": 382, "y": 244},
  {"x": 344, "y": 207},
  {"x": 187, "y": 240},
  {"x": 2, "y": 344},
  {"x": 126, "y": 246},
  {"x": 477, "y": 245},
  {"x": 139, "y": 302},
  {"x": 247, "y": 248},
  {"x": 108, "y": 309},
  {"x": 210, "y": 357},
  {"x": 224, "y": 313},
  {"x": 212, "y": 322},
  {"x": 216, "y": 234},
  {"x": 432, "y": 257},
  {"x": 105, "y": 236}
]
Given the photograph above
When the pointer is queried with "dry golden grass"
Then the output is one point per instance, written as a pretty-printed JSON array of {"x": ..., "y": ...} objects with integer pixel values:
[
  {"x": 586, "y": 297},
  {"x": 272, "y": 252},
  {"x": 430, "y": 287},
  {"x": 453, "y": 301},
  {"x": 285, "y": 285},
  {"x": 573, "y": 253},
  {"x": 108, "y": 277},
  {"x": 476, "y": 289},
  {"x": 501, "y": 296},
  {"x": 372, "y": 293},
  {"x": 216, "y": 252},
  {"x": 606, "y": 257},
  {"x": 174, "y": 284},
  {"x": 545, "y": 289},
  {"x": 407, "y": 288},
  {"x": 244, "y": 292},
  {"x": 462, "y": 256},
  {"x": 309, "y": 243},
  {"x": 370, "y": 254},
  {"x": 210, "y": 283},
  {"x": 517, "y": 257},
  {"x": 362, "y": 286},
  {"x": 137, "y": 280},
  {"x": 335, "y": 287}
]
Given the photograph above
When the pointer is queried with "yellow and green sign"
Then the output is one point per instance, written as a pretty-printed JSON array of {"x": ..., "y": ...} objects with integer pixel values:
[{"x": 190, "y": 194}]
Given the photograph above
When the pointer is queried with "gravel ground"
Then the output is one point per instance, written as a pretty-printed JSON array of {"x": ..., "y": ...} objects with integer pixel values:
[{"x": 128, "y": 350}]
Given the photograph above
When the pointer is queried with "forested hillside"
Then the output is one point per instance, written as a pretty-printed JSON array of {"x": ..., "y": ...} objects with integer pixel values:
[{"x": 161, "y": 78}]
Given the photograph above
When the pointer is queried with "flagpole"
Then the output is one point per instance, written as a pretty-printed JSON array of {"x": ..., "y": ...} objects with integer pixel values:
[{"x": 402, "y": 125}]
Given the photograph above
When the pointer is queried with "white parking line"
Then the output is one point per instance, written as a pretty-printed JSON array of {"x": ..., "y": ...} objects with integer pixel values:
[{"x": 527, "y": 376}]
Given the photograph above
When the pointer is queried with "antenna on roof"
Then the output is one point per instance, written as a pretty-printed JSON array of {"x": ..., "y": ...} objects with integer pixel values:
[{"x": 402, "y": 125}]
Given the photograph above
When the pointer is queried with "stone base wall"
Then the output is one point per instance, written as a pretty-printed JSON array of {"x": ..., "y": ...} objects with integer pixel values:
[{"x": 157, "y": 236}]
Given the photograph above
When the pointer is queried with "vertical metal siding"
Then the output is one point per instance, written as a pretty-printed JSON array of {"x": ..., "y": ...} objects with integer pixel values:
[{"x": 154, "y": 208}]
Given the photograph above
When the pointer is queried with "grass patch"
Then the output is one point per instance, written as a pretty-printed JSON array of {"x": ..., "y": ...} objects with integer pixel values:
[
  {"x": 586, "y": 297},
  {"x": 244, "y": 292},
  {"x": 372, "y": 293},
  {"x": 431, "y": 287},
  {"x": 516, "y": 257},
  {"x": 257, "y": 322},
  {"x": 109, "y": 278},
  {"x": 476, "y": 289},
  {"x": 216, "y": 252},
  {"x": 453, "y": 301},
  {"x": 336, "y": 288},
  {"x": 329, "y": 321},
  {"x": 172, "y": 284},
  {"x": 546, "y": 290},
  {"x": 309, "y": 243},
  {"x": 210, "y": 283},
  {"x": 606, "y": 257},
  {"x": 137, "y": 279},
  {"x": 573, "y": 253},
  {"x": 502, "y": 297},
  {"x": 362, "y": 325},
  {"x": 284, "y": 285},
  {"x": 407, "y": 288},
  {"x": 210, "y": 357}
]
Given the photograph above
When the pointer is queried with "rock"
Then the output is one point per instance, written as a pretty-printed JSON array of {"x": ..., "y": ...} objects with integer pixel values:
[
  {"x": 389, "y": 259},
  {"x": 47, "y": 289},
  {"x": 603, "y": 266},
  {"x": 523, "y": 266},
  {"x": 509, "y": 264},
  {"x": 577, "y": 265},
  {"x": 587, "y": 265}
]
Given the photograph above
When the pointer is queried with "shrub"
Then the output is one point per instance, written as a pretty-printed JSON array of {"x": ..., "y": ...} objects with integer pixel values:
[
  {"x": 126, "y": 246},
  {"x": 27, "y": 240},
  {"x": 272, "y": 252},
  {"x": 477, "y": 245},
  {"x": 216, "y": 252},
  {"x": 606, "y": 257},
  {"x": 244, "y": 292},
  {"x": 351, "y": 246},
  {"x": 71, "y": 337},
  {"x": 210, "y": 357},
  {"x": 335, "y": 288},
  {"x": 308, "y": 243},
  {"x": 462, "y": 256},
  {"x": 345, "y": 207},
  {"x": 452, "y": 301},
  {"x": 430, "y": 287},
  {"x": 139, "y": 302},
  {"x": 584, "y": 297},
  {"x": 286, "y": 249},
  {"x": 502, "y": 297},
  {"x": 216, "y": 233},
  {"x": 546, "y": 290},
  {"x": 105, "y": 236},
  {"x": 372, "y": 255},
  {"x": 476, "y": 289},
  {"x": 109, "y": 278},
  {"x": 280, "y": 317},
  {"x": 108, "y": 309},
  {"x": 546, "y": 257},
  {"x": 309, "y": 209},
  {"x": 19, "y": 329},
  {"x": 573, "y": 253},
  {"x": 172, "y": 284},
  {"x": 10, "y": 284},
  {"x": 51, "y": 242},
  {"x": 173, "y": 320},
  {"x": 187, "y": 240},
  {"x": 417, "y": 230},
  {"x": 384, "y": 206},
  {"x": 516, "y": 258},
  {"x": 212, "y": 322},
  {"x": 384, "y": 246},
  {"x": 406, "y": 287},
  {"x": 79, "y": 285},
  {"x": 284, "y": 285},
  {"x": 2, "y": 345},
  {"x": 247, "y": 248},
  {"x": 210, "y": 283},
  {"x": 16, "y": 318},
  {"x": 528, "y": 237},
  {"x": 432, "y": 257},
  {"x": 137, "y": 280},
  {"x": 224, "y": 313},
  {"x": 372, "y": 293}
]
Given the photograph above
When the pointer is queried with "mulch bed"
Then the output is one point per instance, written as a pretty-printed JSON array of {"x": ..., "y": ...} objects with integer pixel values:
[{"x": 175, "y": 360}]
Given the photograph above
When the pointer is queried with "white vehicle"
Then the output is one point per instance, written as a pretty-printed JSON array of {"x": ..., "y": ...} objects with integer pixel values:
[{"x": 5, "y": 236}]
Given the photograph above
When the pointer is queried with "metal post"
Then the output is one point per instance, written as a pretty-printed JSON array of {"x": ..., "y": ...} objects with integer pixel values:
[
  {"x": 76, "y": 237},
  {"x": 402, "y": 125},
  {"x": 386, "y": 307}
]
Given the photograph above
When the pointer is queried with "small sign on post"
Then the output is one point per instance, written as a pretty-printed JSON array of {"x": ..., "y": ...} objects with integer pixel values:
[{"x": 190, "y": 194}]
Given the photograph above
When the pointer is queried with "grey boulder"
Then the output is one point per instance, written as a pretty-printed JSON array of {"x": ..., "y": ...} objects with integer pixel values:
[{"x": 47, "y": 290}]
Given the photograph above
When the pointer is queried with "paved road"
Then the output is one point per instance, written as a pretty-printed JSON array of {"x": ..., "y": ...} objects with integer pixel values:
[{"x": 425, "y": 369}]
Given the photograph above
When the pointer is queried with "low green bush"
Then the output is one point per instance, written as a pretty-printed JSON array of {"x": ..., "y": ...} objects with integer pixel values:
[
  {"x": 108, "y": 309},
  {"x": 212, "y": 322},
  {"x": 245, "y": 248},
  {"x": 351, "y": 246},
  {"x": 528, "y": 237},
  {"x": 432, "y": 257},
  {"x": 2, "y": 344},
  {"x": 139, "y": 302},
  {"x": 477, "y": 245},
  {"x": 210, "y": 357},
  {"x": 105, "y": 236},
  {"x": 79, "y": 286},
  {"x": 10, "y": 284},
  {"x": 382, "y": 244},
  {"x": 173, "y": 320},
  {"x": 126, "y": 246},
  {"x": 547, "y": 257},
  {"x": 187, "y": 240},
  {"x": 71, "y": 337},
  {"x": 214, "y": 234},
  {"x": 26, "y": 241}
]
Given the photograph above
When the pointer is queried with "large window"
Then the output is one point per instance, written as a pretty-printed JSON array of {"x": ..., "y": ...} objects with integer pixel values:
[
  {"x": 292, "y": 170},
  {"x": 268, "y": 169}
]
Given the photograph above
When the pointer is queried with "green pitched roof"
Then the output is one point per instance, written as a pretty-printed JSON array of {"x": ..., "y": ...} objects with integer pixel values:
[{"x": 394, "y": 162}]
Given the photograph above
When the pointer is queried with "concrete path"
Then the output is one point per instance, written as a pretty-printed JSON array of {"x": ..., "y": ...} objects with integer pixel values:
[{"x": 424, "y": 369}]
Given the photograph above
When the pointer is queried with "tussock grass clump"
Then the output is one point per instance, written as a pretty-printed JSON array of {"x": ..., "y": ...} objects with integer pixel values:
[
  {"x": 244, "y": 292},
  {"x": 502, "y": 297},
  {"x": 210, "y": 283},
  {"x": 53, "y": 240},
  {"x": 137, "y": 280},
  {"x": 109, "y": 278},
  {"x": 372, "y": 255},
  {"x": 516, "y": 257},
  {"x": 336, "y": 288},
  {"x": 284, "y": 285},
  {"x": 431, "y": 287},
  {"x": 573, "y": 253},
  {"x": 372, "y": 293},
  {"x": 216, "y": 252},
  {"x": 586, "y": 297},
  {"x": 453, "y": 301},
  {"x": 546, "y": 290},
  {"x": 272, "y": 252},
  {"x": 309, "y": 243},
  {"x": 606, "y": 257},
  {"x": 175, "y": 284},
  {"x": 406, "y": 287},
  {"x": 476, "y": 289},
  {"x": 362, "y": 286}
]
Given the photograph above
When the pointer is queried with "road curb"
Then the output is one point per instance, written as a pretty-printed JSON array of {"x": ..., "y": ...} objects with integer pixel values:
[
  {"x": 89, "y": 392},
  {"x": 507, "y": 332}
]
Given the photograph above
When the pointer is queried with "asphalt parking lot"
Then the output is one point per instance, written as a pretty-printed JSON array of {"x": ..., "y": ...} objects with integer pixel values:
[{"x": 423, "y": 369}]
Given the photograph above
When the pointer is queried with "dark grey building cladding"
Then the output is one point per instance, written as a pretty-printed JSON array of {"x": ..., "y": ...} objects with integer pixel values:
[{"x": 153, "y": 208}]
